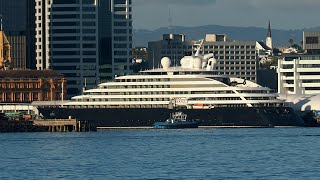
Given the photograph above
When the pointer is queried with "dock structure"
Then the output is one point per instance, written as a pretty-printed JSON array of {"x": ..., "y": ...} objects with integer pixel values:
[{"x": 65, "y": 125}]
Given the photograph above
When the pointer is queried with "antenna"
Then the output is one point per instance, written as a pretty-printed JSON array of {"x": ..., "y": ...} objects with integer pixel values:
[
  {"x": 199, "y": 47},
  {"x": 62, "y": 90},
  {"x": 0, "y": 22},
  {"x": 170, "y": 20},
  {"x": 153, "y": 58}
]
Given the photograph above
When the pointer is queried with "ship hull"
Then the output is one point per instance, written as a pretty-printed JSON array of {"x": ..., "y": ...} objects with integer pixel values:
[
  {"x": 146, "y": 117},
  {"x": 175, "y": 125}
]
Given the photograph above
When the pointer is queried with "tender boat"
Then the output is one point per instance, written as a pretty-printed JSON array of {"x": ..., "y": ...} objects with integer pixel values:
[{"x": 178, "y": 120}]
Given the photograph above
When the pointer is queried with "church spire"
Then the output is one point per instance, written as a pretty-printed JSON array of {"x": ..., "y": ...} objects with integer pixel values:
[
  {"x": 269, "y": 30},
  {"x": 269, "y": 38}
]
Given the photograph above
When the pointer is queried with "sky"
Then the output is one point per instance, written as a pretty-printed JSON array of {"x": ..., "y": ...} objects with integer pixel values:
[{"x": 283, "y": 14}]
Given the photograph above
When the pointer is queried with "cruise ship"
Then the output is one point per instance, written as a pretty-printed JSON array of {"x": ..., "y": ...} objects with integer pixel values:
[{"x": 195, "y": 88}]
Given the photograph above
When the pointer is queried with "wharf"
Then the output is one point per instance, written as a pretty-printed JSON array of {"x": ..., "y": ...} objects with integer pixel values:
[{"x": 65, "y": 125}]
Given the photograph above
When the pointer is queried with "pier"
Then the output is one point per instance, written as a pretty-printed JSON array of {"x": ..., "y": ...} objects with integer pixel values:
[{"x": 65, "y": 125}]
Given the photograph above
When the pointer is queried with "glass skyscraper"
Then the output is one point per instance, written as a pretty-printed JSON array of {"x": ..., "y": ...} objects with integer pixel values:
[
  {"x": 89, "y": 41},
  {"x": 18, "y": 23}
]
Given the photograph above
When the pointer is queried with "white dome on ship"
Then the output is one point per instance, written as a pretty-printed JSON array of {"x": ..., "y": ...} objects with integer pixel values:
[
  {"x": 165, "y": 62},
  {"x": 183, "y": 61},
  {"x": 186, "y": 62},
  {"x": 197, "y": 63}
]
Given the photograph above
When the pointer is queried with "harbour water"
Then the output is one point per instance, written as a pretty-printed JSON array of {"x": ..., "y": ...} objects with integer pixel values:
[{"x": 262, "y": 153}]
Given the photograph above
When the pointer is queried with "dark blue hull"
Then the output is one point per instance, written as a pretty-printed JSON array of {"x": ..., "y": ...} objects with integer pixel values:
[
  {"x": 146, "y": 117},
  {"x": 176, "y": 125}
]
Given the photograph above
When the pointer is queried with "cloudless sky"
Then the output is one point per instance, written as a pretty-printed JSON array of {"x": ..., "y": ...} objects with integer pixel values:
[{"x": 283, "y": 14}]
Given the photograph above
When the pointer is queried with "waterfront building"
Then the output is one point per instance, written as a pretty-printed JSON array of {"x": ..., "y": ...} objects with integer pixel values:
[
  {"x": 19, "y": 24},
  {"x": 235, "y": 58},
  {"x": 299, "y": 74},
  {"x": 89, "y": 41},
  {"x": 25, "y": 86}
]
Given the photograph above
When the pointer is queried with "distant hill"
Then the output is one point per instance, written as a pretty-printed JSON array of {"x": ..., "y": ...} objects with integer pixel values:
[{"x": 280, "y": 37}]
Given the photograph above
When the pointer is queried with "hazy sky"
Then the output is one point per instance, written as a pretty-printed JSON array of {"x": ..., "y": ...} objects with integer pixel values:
[{"x": 284, "y": 14}]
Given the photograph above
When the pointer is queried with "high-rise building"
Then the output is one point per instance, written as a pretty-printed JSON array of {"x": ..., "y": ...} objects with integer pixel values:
[
  {"x": 122, "y": 37},
  {"x": 18, "y": 23},
  {"x": 18, "y": 44},
  {"x": 89, "y": 41}
]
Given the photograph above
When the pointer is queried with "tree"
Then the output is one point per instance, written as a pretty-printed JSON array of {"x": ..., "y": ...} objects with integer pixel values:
[
  {"x": 276, "y": 51},
  {"x": 296, "y": 46},
  {"x": 291, "y": 42}
]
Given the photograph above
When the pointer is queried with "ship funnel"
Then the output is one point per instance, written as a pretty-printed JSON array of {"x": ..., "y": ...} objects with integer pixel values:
[{"x": 211, "y": 64}]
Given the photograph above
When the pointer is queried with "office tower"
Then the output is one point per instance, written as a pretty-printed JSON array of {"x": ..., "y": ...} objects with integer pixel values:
[
  {"x": 115, "y": 41},
  {"x": 18, "y": 23},
  {"x": 89, "y": 41}
]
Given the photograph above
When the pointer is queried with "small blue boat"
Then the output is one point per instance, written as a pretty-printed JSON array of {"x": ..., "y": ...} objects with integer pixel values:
[{"x": 178, "y": 120}]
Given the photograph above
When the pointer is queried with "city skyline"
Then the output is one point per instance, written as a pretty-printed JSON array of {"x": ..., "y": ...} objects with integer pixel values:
[{"x": 284, "y": 14}]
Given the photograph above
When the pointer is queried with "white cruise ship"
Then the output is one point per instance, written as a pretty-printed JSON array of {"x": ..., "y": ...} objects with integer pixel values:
[{"x": 195, "y": 87}]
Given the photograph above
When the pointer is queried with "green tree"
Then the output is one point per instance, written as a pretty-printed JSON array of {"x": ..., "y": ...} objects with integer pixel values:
[{"x": 291, "y": 42}]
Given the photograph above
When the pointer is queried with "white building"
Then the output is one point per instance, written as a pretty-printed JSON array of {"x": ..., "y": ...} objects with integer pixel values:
[
  {"x": 299, "y": 74},
  {"x": 89, "y": 41}
]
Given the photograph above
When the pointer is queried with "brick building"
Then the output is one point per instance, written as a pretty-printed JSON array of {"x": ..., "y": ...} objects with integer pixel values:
[{"x": 25, "y": 86}]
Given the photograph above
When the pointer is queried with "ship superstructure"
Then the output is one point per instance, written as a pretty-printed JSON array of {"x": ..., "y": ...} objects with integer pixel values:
[
  {"x": 194, "y": 84},
  {"x": 192, "y": 88}
]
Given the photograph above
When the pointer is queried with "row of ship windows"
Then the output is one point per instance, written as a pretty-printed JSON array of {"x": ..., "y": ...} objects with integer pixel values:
[
  {"x": 123, "y": 99},
  {"x": 166, "y": 86},
  {"x": 162, "y": 92},
  {"x": 184, "y": 92},
  {"x": 161, "y": 99},
  {"x": 143, "y": 80},
  {"x": 168, "y": 99},
  {"x": 163, "y": 80},
  {"x": 166, "y": 106},
  {"x": 120, "y": 106}
]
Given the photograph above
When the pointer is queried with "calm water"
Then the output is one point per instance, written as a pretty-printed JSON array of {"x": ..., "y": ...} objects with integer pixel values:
[{"x": 277, "y": 153}]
